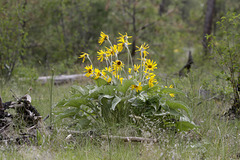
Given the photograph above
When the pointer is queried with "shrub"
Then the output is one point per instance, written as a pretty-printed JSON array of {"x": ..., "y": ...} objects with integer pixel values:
[
  {"x": 225, "y": 48},
  {"x": 121, "y": 94}
]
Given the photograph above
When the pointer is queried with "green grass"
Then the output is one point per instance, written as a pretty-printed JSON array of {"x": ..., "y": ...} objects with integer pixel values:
[{"x": 216, "y": 137}]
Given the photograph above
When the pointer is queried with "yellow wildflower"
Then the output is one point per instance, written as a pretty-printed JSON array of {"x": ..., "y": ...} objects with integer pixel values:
[
  {"x": 175, "y": 50},
  {"x": 150, "y": 65},
  {"x": 120, "y": 47},
  {"x": 118, "y": 65},
  {"x": 83, "y": 56},
  {"x": 149, "y": 75},
  {"x": 138, "y": 88},
  {"x": 102, "y": 38},
  {"x": 129, "y": 70},
  {"x": 97, "y": 73},
  {"x": 108, "y": 69},
  {"x": 123, "y": 41},
  {"x": 171, "y": 94},
  {"x": 111, "y": 50},
  {"x": 101, "y": 55},
  {"x": 136, "y": 67},
  {"x": 142, "y": 49},
  {"x": 89, "y": 71},
  {"x": 151, "y": 81},
  {"x": 109, "y": 80},
  {"x": 124, "y": 38},
  {"x": 121, "y": 80}
]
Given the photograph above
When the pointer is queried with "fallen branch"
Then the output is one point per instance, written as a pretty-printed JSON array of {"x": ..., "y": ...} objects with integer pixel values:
[
  {"x": 125, "y": 139},
  {"x": 130, "y": 139}
]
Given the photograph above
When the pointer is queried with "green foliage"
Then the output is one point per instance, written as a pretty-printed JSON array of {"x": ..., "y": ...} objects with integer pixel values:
[
  {"x": 117, "y": 97},
  {"x": 25, "y": 75},
  {"x": 107, "y": 104},
  {"x": 226, "y": 48},
  {"x": 12, "y": 38}
]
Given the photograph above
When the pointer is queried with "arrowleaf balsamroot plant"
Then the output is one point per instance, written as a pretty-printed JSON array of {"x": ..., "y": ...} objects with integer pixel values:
[{"x": 123, "y": 91}]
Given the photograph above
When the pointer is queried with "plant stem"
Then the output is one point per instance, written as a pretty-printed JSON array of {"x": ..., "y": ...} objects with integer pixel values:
[{"x": 51, "y": 98}]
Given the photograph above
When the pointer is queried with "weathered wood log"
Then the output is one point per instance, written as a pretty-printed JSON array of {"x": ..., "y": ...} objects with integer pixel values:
[{"x": 62, "y": 78}]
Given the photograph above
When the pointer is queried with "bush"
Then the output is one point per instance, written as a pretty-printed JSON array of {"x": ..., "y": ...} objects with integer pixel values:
[{"x": 123, "y": 94}]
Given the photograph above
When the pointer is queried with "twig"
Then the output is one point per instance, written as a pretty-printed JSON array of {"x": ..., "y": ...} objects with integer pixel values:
[
  {"x": 14, "y": 105},
  {"x": 46, "y": 118},
  {"x": 125, "y": 139},
  {"x": 130, "y": 139},
  {"x": 14, "y": 95},
  {"x": 4, "y": 127},
  {"x": 1, "y": 105}
]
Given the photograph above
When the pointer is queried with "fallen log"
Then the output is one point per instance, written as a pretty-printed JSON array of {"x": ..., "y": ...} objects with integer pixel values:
[{"x": 62, "y": 78}]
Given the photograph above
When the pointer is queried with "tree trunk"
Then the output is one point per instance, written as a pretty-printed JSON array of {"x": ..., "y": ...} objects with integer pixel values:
[
  {"x": 163, "y": 7},
  {"x": 134, "y": 29},
  {"x": 208, "y": 23}
]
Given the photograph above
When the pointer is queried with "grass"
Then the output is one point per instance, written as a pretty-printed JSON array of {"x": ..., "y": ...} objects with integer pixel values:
[{"x": 216, "y": 137}]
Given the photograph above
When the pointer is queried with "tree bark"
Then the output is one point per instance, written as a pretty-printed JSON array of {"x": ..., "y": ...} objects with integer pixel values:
[
  {"x": 163, "y": 7},
  {"x": 208, "y": 23},
  {"x": 134, "y": 29}
]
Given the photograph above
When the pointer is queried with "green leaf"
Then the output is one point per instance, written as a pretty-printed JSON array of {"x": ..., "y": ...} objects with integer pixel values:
[
  {"x": 105, "y": 90},
  {"x": 173, "y": 112},
  {"x": 185, "y": 125},
  {"x": 100, "y": 97},
  {"x": 67, "y": 113},
  {"x": 61, "y": 103},
  {"x": 177, "y": 105},
  {"x": 76, "y": 102},
  {"x": 83, "y": 123},
  {"x": 115, "y": 101},
  {"x": 80, "y": 89},
  {"x": 125, "y": 85},
  {"x": 138, "y": 101},
  {"x": 100, "y": 82}
]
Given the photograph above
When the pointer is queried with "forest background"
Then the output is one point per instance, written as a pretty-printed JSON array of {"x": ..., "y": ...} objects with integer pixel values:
[{"x": 37, "y": 36}]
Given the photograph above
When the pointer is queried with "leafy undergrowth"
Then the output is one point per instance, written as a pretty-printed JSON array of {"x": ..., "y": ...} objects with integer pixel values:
[{"x": 216, "y": 137}]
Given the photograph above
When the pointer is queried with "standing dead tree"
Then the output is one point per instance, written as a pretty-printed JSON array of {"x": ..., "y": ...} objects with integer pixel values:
[
  {"x": 187, "y": 66},
  {"x": 208, "y": 22}
]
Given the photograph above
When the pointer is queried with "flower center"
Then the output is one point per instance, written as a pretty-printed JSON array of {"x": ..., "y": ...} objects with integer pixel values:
[
  {"x": 150, "y": 66},
  {"x": 89, "y": 70},
  {"x": 119, "y": 63}
]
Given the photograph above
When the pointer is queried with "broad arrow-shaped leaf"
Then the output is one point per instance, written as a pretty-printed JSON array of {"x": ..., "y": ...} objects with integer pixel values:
[{"x": 115, "y": 101}]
